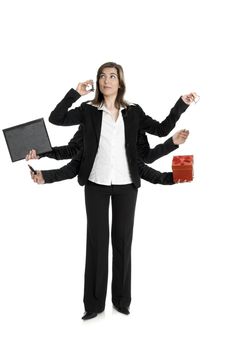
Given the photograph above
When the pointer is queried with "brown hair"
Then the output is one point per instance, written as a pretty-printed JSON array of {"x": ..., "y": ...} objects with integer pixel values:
[{"x": 99, "y": 98}]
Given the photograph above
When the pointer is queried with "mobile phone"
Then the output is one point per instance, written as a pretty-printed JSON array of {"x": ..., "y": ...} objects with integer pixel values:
[
  {"x": 196, "y": 98},
  {"x": 90, "y": 87}
]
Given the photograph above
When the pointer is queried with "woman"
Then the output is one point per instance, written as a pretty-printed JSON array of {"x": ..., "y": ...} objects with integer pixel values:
[
  {"x": 109, "y": 169},
  {"x": 74, "y": 150}
]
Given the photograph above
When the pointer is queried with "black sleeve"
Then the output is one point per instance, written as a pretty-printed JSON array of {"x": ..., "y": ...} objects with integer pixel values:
[
  {"x": 61, "y": 152},
  {"x": 160, "y": 150},
  {"x": 66, "y": 172},
  {"x": 74, "y": 147},
  {"x": 156, "y": 177},
  {"x": 149, "y": 155},
  {"x": 62, "y": 116},
  {"x": 162, "y": 129}
]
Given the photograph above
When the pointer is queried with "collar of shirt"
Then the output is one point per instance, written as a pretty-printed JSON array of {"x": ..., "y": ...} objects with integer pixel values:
[{"x": 104, "y": 108}]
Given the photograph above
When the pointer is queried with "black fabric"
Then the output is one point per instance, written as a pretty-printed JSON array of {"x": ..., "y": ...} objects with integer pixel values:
[
  {"x": 149, "y": 155},
  {"x": 154, "y": 176},
  {"x": 73, "y": 149},
  {"x": 97, "y": 198},
  {"x": 66, "y": 172},
  {"x": 134, "y": 120}
]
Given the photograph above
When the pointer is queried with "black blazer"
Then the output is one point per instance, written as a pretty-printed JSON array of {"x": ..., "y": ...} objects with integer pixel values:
[
  {"x": 74, "y": 150},
  {"x": 134, "y": 120}
]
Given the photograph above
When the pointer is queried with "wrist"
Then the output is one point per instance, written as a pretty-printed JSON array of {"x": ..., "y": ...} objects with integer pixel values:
[{"x": 174, "y": 141}]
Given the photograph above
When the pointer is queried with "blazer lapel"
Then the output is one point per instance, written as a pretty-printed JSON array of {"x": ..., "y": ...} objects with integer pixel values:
[
  {"x": 125, "y": 120},
  {"x": 97, "y": 122},
  {"x": 97, "y": 117}
]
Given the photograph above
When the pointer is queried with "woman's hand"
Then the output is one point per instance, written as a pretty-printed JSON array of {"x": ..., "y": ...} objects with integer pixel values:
[
  {"x": 182, "y": 182},
  {"x": 38, "y": 177},
  {"x": 189, "y": 98},
  {"x": 180, "y": 137},
  {"x": 82, "y": 87},
  {"x": 32, "y": 155}
]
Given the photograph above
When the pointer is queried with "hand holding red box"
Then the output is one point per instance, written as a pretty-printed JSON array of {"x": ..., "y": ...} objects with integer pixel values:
[{"x": 182, "y": 167}]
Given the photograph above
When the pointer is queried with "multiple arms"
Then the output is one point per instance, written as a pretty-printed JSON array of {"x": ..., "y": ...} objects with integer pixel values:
[
  {"x": 150, "y": 155},
  {"x": 71, "y": 170},
  {"x": 73, "y": 150},
  {"x": 61, "y": 115}
]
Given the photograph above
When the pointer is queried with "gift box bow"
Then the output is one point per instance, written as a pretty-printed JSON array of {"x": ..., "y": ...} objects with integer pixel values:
[{"x": 182, "y": 161}]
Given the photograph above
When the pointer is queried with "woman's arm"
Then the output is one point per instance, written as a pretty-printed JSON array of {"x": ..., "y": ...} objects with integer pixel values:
[
  {"x": 74, "y": 146},
  {"x": 163, "y": 128},
  {"x": 62, "y": 152},
  {"x": 156, "y": 177},
  {"x": 66, "y": 172},
  {"x": 159, "y": 151},
  {"x": 61, "y": 116},
  {"x": 149, "y": 155},
  {"x": 58, "y": 153}
]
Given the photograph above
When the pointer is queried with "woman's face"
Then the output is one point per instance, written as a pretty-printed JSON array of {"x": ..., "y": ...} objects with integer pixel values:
[{"x": 109, "y": 82}]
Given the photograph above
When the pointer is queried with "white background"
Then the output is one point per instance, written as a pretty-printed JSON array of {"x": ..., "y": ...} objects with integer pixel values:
[{"x": 182, "y": 248}]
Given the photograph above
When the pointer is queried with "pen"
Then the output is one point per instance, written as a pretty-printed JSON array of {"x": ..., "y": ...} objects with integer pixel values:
[{"x": 33, "y": 170}]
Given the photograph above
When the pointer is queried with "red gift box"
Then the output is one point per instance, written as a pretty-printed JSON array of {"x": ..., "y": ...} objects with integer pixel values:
[{"x": 182, "y": 167}]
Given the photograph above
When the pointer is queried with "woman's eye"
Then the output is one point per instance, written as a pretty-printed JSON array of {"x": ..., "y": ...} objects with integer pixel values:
[{"x": 102, "y": 76}]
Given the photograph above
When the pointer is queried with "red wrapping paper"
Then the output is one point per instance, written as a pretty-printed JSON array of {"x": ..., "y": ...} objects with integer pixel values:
[{"x": 182, "y": 167}]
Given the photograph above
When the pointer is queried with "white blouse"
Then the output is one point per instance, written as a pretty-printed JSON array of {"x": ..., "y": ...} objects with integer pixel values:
[{"x": 111, "y": 166}]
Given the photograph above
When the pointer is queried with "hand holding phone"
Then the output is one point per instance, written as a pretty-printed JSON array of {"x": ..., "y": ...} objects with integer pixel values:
[{"x": 85, "y": 87}]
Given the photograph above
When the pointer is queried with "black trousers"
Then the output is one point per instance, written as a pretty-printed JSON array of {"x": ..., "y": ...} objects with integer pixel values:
[{"x": 97, "y": 198}]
